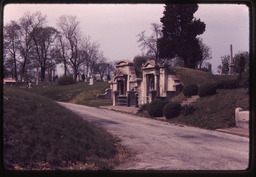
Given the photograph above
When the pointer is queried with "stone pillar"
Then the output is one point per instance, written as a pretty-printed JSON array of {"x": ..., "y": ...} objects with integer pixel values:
[
  {"x": 155, "y": 81},
  {"x": 144, "y": 85},
  {"x": 136, "y": 100},
  {"x": 115, "y": 94},
  {"x": 163, "y": 82},
  {"x": 128, "y": 99}
]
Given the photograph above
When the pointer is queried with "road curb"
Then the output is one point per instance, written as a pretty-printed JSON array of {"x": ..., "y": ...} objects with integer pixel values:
[{"x": 236, "y": 131}]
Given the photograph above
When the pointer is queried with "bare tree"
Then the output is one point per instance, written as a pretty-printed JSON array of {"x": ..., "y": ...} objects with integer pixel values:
[
  {"x": 61, "y": 46},
  {"x": 44, "y": 48},
  {"x": 69, "y": 28},
  {"x": 101, "y": 65},
  {"x": 28, "y": 23},
  {"x": 90, "y": 51},
  {"x": 93, "y": 57},
  {"x": 223, "y": 68},
  {"x": 111, "y": 69},
  {"x": 11, "y": 46},
  {"x": 206, "y": 53},
  {"x": 149, "y": 43}
]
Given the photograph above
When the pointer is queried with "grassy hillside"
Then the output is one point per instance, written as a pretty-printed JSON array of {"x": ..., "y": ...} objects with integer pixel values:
[
  {"x": 40, "y": 134},
  {"x": 216, "y": 111},
  {"x": 212, "y": 112},
  {"x": 192, "y": 76},
  {"x": 80, "y": 93}
]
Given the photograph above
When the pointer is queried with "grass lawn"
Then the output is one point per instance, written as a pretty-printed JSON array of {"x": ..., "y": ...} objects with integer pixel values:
[
  {"x": 80, "y": 93},
  {"x": 216, "y": 111},
  {"x": 192, "y": 76},
  {"x": 40, "y": 134}
]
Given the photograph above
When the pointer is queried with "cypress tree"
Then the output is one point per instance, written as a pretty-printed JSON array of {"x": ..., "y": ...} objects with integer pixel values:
[{"x": 180, "y": 30}]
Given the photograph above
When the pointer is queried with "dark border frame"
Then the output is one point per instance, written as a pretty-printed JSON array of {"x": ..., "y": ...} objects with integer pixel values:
[{"x": 251, "y": 171}]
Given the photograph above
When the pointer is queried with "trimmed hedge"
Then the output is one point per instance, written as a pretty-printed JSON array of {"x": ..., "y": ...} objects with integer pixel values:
[
  {"x": 155, "y": 108},
  {"x": 66, "y": 80},
  {"x": 190, "y": 90},
  {"x": 227, "y": 84},
  {"x": 207, "y": 89},
  {"x": 172, "y": 110},
  {"x": 188, "y": 109}
]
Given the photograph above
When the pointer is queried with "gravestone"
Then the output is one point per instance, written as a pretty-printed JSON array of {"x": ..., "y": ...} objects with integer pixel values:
[
  {"x": 29, "y": 85},
  {"x": 91, "y": 81},
  {"x": 242, "y": 118}
]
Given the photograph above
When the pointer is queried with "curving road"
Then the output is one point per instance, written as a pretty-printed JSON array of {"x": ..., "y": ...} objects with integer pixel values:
[{"x": 159, "y": 145}]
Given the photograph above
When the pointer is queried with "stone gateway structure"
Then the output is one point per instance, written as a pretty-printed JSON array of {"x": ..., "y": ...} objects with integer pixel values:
[{"x": 157, "y": 82}]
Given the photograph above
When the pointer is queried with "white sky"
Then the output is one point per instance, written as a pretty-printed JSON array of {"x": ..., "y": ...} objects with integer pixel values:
[{"x": 115, "y": 26}]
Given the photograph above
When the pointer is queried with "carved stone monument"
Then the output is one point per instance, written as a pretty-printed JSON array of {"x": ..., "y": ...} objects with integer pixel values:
[{"x": 158, "y": 81}]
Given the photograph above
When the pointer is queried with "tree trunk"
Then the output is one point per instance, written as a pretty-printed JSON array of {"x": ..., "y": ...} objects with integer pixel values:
[
  {"x": 65, "y": 67},
  {"x": 87, "y": 70},
  {"x": 23, "y": 73},
  {"x": 15, "y": 68},
  {"x": 42, "y": 74},
  {"x": 75, "y": 74}
]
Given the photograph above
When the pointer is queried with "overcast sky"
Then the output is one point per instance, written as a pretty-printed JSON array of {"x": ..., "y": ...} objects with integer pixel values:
[{"x": 115, "y": 26}]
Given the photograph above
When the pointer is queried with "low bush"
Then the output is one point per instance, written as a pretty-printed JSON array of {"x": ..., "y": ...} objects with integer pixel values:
[
  {"x": 66, "y": 80},
  {"x": 207, "y": 89},
  {"x": 190, "y": 90},
  {"x": 171, "y": 110},
  {"x": 155, "y": 108},
  {"x": 227, "y": 84},
  {"x": 188, "y": 109},
  {"x": 143, "y": 108},
  {"x": 243, "y": 80}
]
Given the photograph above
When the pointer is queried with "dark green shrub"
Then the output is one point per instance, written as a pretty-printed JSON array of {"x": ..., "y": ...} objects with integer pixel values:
[
  {"x": 190, "y": 90},
  {"x": 227, "y": 84},
  {"x": 243, "y": 80},
  {"x": 155, "y": 108},
  {"x": 207, "y": 89},
  {"x": 143, "y": 108},
  {"x": 66, "y": 80},
  {"x": 171, "y": 110},
  {"x": 188, "y": 109}
]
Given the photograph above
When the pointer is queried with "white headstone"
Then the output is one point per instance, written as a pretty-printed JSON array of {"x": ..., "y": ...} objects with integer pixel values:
[
  {"x": 91, "y": 81},
  {"x": 29, "y": 85}
]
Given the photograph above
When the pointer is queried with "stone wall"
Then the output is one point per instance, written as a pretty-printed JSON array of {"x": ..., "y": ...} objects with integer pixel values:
[{"x": 106, "y": 95}]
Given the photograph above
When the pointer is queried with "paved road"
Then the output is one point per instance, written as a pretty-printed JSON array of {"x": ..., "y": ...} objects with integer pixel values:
[{"x": 160, "y": 145}]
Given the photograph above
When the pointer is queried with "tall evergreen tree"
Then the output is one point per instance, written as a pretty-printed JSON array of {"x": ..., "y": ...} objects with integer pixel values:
[{"x": 180, "y": 30}]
